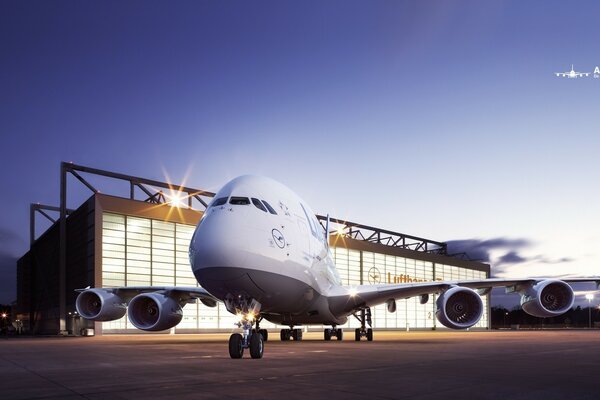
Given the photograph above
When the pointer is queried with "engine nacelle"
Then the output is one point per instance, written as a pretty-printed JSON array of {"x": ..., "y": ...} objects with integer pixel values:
[
  {"x": 100, "y": 305},
  {"x": 459, "y": 308},
  {"x": 154, "y": 312},
  {"x": 547, "y": 298}
]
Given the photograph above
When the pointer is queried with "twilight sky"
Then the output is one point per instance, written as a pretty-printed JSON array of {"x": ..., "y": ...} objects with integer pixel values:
[{"x": 434, "y": 118}]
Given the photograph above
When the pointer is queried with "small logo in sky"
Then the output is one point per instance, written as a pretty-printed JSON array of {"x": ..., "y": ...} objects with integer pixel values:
[
  {"x": 572, "y": 74},
  {"x": 374, "y": 276},
  {"x": 278, "y": 238}
]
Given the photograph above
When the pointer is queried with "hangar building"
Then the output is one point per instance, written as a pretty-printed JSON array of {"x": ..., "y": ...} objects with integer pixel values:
[{"x": 142, "y": 239}]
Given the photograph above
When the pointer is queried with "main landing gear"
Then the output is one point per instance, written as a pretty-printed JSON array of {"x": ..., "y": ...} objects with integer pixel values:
[
  {"x": 287, "y": 334},
  {"x": 333, "y": 332},
  {"x": 365, "y": 318},
  {"x": 252, "y": 339}
]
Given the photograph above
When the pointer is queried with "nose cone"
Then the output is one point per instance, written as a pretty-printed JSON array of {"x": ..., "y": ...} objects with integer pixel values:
[
  {"x": 220, "y": 252},
  {"x": 212, "y": 244}
]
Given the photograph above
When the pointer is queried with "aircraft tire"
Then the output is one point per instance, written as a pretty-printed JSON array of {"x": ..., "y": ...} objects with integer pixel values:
[
  {"x": 340, "y": 334},
  {"x": 297, "y": 334},
  {"x": 265, "y": 334},
  {"x": 236, "y": 348},
  {"x": 357, "y": 334},
  {"x": 370, "y": 335},
  {"x": 327, "y": 334},
  {"x": 257, "y": 346}
]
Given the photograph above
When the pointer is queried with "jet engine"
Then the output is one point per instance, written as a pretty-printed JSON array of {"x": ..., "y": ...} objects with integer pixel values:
[
  {"x": 459, "y": 308},
  {"x": 100, "y": 305},
  {"x": 154, "y": 312},
  {"x": 547, "y": 298}
]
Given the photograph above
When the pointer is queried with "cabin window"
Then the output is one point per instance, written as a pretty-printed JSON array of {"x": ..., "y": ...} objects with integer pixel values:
[
  {"x": 219, "y": 202},
  {"x": 271, "y": 209},
  {"x": 239, "y": 201},
  {"x": 258, "y": 204}
]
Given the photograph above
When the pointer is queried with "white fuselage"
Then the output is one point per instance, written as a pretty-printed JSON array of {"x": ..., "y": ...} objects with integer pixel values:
[{"x": 242, "y": 251}]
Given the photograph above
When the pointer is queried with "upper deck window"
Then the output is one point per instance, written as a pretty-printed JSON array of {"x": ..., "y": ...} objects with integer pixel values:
[
  {"x": 258, "y": 204},
  {"x": 239, "y": 201},
  {"x": 271, "y": 209},
  {"x": 219, "y": 202}
]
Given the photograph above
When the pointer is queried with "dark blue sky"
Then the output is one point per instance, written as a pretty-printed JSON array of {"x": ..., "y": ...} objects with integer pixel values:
[{"x": 437, "y": 118}]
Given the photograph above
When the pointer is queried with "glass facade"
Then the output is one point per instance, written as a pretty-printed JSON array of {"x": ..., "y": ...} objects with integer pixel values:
[
  {"x": 384, "y": 268},
  {"x": 141, "y": 252}
]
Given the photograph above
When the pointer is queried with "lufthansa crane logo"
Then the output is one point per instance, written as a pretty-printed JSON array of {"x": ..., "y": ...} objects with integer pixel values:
[
  {"x": 278, "y": 238},
  {"x": 374, "y": 276}
]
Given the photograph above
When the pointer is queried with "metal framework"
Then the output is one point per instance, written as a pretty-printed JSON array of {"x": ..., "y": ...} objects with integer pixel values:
[
  {"x": 42, "y": 209},
  {"x": 388, "y": 238},
  {"x": 147, "y": 186}
]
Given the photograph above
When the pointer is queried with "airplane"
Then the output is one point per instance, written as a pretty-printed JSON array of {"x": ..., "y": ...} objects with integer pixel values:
[
  {"x": 261, "y": 251},
  {"x": 572, "y": 73}
]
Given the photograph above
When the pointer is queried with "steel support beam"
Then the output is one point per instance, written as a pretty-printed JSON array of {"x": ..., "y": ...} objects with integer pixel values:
[
  {"x": 62, "y": 263},
  {"x": 41, "y": 208},
  {"x": 389, "y": 238}
]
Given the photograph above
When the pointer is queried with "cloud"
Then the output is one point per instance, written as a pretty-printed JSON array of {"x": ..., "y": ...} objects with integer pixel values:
[
  {"x": 512, "y": 257},
  {"x": 8, "y": 283},
  {"x": 8, "y": 237},
  {"x": 480, "y": 250},
  {"x": 9, "y": 244}
]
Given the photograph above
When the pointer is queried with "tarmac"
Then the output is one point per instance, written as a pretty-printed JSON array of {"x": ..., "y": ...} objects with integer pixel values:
[{"x": 396, "y": 365}]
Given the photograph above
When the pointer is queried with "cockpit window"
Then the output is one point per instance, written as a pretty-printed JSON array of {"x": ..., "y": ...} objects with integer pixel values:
[
  {"x": 258, "y": 204},
  {"x": 219, "y": 202},
  {"x": 240, "y": 201},
  {"x": 271, "y": 209}
]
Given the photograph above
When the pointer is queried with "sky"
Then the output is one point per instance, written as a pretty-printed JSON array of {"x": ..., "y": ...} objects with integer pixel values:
[{"x": 440, "y": 119}]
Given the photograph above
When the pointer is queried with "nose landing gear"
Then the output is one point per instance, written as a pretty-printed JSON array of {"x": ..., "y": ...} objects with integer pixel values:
[
  {"x": 247, "y": 311},
  {"x": 252, "y": 339}
]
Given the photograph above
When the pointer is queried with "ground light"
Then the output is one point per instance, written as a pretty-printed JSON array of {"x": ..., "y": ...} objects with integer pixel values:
[{"x": 589, "y": 298}]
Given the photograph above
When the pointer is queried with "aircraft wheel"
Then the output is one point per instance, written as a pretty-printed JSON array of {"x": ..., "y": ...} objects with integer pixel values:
[
  {"x": 327, "y": 334},
  {"x": 256, "y": 346},
  {"x": 297, "y": 334},
  {"x": 357, "y": 334},
  {"x": 340, "y": 334},
  {"x": 265, "y": 334},
  {"x": 236, "y": 349},
  {"x": 285, "y": 334},
  {"x": 370, "y": 335}
]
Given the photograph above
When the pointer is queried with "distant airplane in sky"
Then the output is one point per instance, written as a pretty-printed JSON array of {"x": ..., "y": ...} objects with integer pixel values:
[
  {"x": 260, "y": 250},
  {"x": 572, "y": 73}
]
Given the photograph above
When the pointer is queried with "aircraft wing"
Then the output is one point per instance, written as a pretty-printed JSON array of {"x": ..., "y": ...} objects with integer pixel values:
[
  {"x": 348, "y": 299},
  {"x": 183, "y": 293}
]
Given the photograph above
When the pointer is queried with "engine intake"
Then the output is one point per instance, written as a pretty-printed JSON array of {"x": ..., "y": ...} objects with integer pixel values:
[
  {"x": 459, "y": 308},
  {"x": 100, "y": 305},
  {"x": 154, "y": 312},
  {"x": 547, "y": 298}
]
